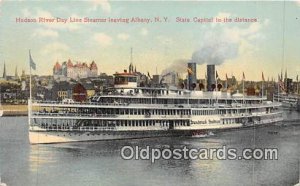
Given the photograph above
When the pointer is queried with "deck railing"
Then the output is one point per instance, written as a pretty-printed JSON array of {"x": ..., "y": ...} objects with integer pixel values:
[
  {"x": 155, "y": 105},
  {"x": 142, "y": 116}
]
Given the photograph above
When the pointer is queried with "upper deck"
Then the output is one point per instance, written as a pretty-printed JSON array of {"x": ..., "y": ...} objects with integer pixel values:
[
  {"x": 165, "y": 99},
  {"x": 144, "y": 92}
]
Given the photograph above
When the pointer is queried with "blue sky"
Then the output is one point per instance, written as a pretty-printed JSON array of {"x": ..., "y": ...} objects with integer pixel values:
[{"x": 269, "y": 45}]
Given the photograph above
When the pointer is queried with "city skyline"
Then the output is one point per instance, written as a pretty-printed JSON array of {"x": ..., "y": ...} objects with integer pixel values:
[{"x": 269, "y": 45}]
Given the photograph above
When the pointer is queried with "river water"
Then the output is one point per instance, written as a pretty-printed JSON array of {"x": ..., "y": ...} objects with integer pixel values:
[{"x": 100, "y": 163}]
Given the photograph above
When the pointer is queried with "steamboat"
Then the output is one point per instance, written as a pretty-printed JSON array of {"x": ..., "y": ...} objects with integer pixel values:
[
  {"x": 288, "y": 101},
  {"x": 128, "y": 111}
]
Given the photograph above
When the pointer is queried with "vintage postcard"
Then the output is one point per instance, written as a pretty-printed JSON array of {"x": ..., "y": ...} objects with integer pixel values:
[{"x": 129, "y": 93}]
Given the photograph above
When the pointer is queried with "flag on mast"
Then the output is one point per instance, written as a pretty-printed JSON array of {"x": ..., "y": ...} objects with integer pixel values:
[
  {"x": 262, "y": 76},
  {"x": 244, "y": 76},
  {"x": 190, "y": 71},
  {"x": 281, "y": 85},
  {"x": 217, "y": 75},
  {"x": 32, "y": 63}
]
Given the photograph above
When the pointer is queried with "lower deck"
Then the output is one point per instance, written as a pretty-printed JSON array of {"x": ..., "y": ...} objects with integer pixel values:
[{"x": 54, "y": 136}]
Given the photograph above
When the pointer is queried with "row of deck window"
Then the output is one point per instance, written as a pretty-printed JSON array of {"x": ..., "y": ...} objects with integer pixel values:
[
  {"x": 136, "y": 111},
  {"x": 227, "y": 111},
  {"x": 146, "y": 123},
  {"x": 157, "y": 100},
  {"x": 63, "y": 123}
]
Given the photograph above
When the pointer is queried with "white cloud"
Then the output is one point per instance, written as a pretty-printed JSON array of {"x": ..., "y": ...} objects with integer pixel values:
[
  {"x": 123, "y": 36},
  {"x": 253, "y": 28},
  {"x": 45, "y": 33},
  {"x": 256, "y": 36},
  {"x": 0, "y": 5},
  {"x": 104, "y": 4},
  {"x": 247, "y": 38},
  {"x": 164, "y": 40},
  {"x": 236, "y": 34},
  {"x": 144, "y": 32},
  {"x": 26, "y": 12},
  {"x": 52, "y": 52},
  {"x": 43, "y": 13},
  {"x": 222, "y": 15},
  {"x": 55, "y": 48},
  {"x": 103, "y": 39},
  {"x": 266, "y": 22},
  {"x": 231, "y": 43}
]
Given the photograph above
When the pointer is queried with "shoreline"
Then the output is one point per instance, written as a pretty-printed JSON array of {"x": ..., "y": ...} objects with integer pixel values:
[{"x": 14, "y": 110}]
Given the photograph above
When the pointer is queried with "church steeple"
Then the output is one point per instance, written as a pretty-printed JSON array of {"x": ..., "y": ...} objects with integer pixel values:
[
  {"x": 285, "y": 80},
  {"x": 23, "y": 76},
  {"x": 131, "y": 65},
  {"x": 285, "y": 75},
  {"x": 4, "y": 71},
  {"x": 16, "y": 73},
  {"x": 130, "y": 68}
]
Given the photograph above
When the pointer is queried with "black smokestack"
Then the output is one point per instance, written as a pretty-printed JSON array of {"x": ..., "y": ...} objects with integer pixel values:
[
  {"x": 192, "y": 75},
  {"x": 211, "y": 78}
]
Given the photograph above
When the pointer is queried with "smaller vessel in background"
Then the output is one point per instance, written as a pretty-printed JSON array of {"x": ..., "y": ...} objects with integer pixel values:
[
  {"x": 1, "y": 111},
  {"x": 298, "y": 105},
  {"x": 289, "y": 101},
  {"x": 202, "y": 134},
  {"x": 2, "y": 184}
]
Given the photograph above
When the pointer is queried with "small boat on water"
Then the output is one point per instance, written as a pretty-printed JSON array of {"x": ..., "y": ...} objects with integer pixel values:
[
  {"x": 202, "y": 134},
  {"x": 272, "y": 132},
  {"x": 2, "y": 184}
]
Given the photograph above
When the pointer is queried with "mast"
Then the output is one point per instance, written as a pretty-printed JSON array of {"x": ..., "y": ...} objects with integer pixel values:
[
  {"x": 131, "y": 59},
  {"x": 278, "y": 93},
  {"x": 243, "y": 91},
  {"x": 33, "y": 66},
  {"x": 30, "y": 94},
  {"x": 262, "y": 84},
  {"x": 262, "y": 89},
  {"x": 297, "y": 85},
  {"x": 226, "y": 83},
  {"x": 243, "y": 88}
]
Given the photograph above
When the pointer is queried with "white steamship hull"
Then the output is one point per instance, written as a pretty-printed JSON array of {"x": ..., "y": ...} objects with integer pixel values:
[{"x": 48, "y": 137}]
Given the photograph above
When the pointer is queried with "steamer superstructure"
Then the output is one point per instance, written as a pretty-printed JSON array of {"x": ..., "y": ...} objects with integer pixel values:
[
  {"x": 287, "y": 100},
  {"x": 128, "y": 111}
]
